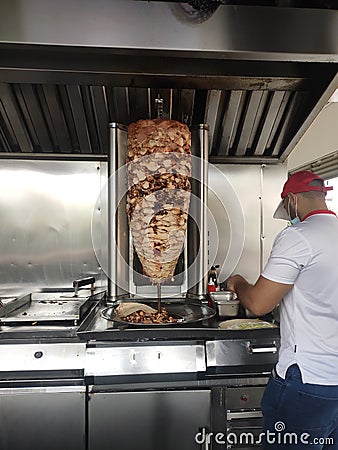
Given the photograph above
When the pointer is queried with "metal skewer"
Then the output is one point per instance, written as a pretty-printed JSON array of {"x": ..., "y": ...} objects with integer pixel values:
[{"x": 159, "y": 297}]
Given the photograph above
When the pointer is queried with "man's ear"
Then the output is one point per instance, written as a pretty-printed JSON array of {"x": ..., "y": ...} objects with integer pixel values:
[{"x": 292, "y": 198}]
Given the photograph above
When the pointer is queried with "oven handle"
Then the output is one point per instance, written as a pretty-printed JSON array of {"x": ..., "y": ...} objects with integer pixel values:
[
  {"x": 244, "y": 415},
  {"x": 257, "y": 349},
  {"x": 83, "y": 282}
]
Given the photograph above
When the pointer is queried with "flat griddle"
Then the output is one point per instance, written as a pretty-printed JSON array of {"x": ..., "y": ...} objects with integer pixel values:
[{"x": 49, "y": 308}]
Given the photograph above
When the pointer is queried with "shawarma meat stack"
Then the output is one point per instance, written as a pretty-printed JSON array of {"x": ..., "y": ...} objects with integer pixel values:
[{"x": 158, "y": 176}]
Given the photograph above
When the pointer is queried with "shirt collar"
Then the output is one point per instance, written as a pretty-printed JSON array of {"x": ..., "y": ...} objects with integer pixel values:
[{"x": 318, "y": 211}]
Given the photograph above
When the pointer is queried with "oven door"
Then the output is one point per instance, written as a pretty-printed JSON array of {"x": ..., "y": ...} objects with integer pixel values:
[
  {"x": 42, "y": 417},
  {"x": 152, "y": 420}
]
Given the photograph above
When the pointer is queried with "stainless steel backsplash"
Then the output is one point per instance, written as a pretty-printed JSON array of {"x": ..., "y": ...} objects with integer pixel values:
[
  {"x": 54, "y": 225},
  {"x": 49, "y": 211}
]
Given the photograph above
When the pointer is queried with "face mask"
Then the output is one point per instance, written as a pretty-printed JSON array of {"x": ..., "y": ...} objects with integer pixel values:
[{"x": 296, "y": 219}]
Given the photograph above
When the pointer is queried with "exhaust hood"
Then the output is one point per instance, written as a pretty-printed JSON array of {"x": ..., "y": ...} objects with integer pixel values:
[{"x": 258, "y": 76}]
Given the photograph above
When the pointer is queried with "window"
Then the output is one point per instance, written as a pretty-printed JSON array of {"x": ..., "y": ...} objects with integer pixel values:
[
  {"x": 332, "y": 196},
  {"x": 327, "y": 168}
]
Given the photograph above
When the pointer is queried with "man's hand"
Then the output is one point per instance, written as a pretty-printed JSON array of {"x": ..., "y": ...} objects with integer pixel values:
[
  {"x": 233, "y": 281},
  {"x": 260, "y": 298}
]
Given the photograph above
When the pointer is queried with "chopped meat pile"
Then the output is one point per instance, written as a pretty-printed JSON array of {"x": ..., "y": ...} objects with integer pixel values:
[
  {"x": 149, "y": 318},
  {"x": 158, "y": 175}
]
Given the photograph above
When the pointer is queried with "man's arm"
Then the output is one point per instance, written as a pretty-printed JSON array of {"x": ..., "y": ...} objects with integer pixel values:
[{"x": 261, "y": 297}]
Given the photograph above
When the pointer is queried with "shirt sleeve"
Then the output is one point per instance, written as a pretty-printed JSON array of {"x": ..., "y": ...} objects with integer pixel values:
[{"x": 289, "y": 254}]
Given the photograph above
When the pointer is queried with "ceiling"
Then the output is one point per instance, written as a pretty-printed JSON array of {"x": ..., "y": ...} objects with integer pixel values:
[{"x": 57, "y": 100}]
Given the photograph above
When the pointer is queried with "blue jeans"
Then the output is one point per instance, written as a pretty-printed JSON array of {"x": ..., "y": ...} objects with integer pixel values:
[{"x": 299, "y": 416}]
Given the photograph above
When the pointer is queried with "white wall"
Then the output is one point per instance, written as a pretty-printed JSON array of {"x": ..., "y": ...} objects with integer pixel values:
[
  {"x": 319, "y": 140},
  {"x": 332, "y": 196}
]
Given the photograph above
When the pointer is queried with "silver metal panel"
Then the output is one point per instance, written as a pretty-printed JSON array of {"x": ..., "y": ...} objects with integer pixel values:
[
  {"x": 46, "y": 237},
  {"x": 244, "y": 397},
  {"x": 250, "y": 122},
  {"x": 273, "y": 109},
  {"x": 258, "y": 118},
  {"x": 145, "y": 360},
  {"x": 242, "y": 199},
  {"x": 239, "y": 352},
  {"x": 118, "y": 235},
  {"x": 82, "y": 132},
  {"x": 57, "y": 117},
  {"x": 253, "y": 32},
  {"x": 164, "y": 420},
  {"x": 287, "y": 122},
  {"x": 15, "y": 357},
  {"x": 212, "y": 116},
  {"x": 230, "y": 121},
  {"x": 99, "y": 224},
  {"x": 198, "y": 216},
  {"x": 278, "y": 122},
  {"x": 37, "y": 420},
  {"x": 12, "y": 115}
]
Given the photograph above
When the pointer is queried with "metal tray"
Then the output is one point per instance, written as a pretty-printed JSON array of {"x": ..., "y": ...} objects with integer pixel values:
[
  {"x": 186, "y": 312},
  {"x": 49, "y": 309},
  {"x": 10, "y": 304}
]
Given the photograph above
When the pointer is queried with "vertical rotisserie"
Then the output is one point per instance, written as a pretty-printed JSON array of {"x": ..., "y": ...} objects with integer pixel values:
[{"x": 158, "y": 172}]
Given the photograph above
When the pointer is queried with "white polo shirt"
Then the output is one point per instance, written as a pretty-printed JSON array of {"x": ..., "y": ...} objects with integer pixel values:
[{"x": 306, "y": 255}]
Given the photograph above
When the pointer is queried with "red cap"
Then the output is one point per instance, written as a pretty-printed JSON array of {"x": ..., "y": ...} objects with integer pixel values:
[
  {"x": 300, "y": 182},
  {"x": 303, "y": 182}
]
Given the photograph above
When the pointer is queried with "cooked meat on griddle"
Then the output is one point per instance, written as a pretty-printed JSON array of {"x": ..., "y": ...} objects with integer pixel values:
[
  {"x": 158, "y": 174},
  {"x": 150, "y": 318}
]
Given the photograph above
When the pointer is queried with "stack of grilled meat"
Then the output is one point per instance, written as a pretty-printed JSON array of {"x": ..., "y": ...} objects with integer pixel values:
[{"x": 158, "y": 173}]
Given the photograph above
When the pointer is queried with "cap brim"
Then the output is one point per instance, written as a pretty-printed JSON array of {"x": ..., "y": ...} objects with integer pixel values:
[{"x": 280, "y": 212}]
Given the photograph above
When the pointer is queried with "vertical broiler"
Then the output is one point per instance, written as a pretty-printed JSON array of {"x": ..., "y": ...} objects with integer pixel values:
[
  {"x": 158, "y": 173},
  {"x": 157, "y": 182},
  {"x": 165, "y": 252}
]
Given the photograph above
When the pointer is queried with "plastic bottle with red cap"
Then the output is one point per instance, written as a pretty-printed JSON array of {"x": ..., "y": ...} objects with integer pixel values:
[{"x": 211, "y": 285}]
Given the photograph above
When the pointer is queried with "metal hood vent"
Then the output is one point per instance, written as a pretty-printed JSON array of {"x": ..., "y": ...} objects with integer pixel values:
[
  {"x": 258, "y": 97},
  {"x": 43, "y": 118},
  {"x": 253, "y": 119}
]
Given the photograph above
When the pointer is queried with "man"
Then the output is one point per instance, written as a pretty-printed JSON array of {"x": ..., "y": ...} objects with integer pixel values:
[{"x": 300, "y": 403}]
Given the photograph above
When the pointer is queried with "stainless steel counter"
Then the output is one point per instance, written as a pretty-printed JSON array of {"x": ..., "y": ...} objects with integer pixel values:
[
  {"x": 105, "y": 379},
  {"x": 48, "y": 315}
]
